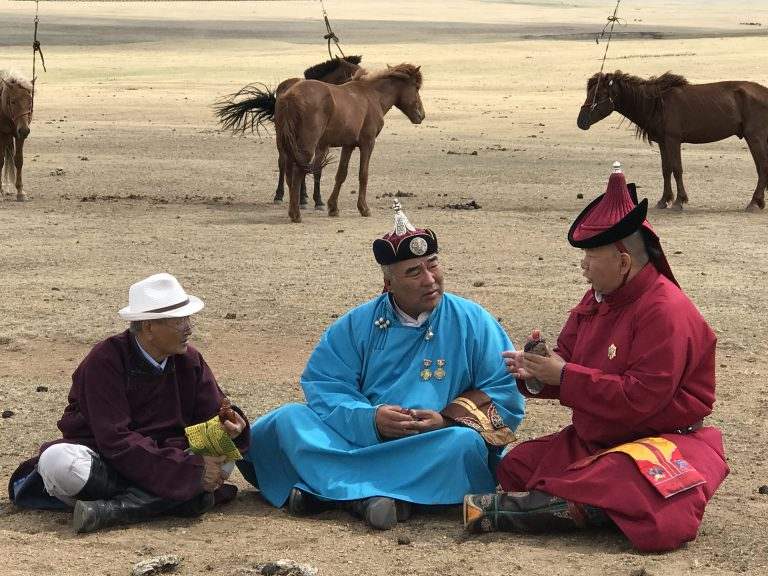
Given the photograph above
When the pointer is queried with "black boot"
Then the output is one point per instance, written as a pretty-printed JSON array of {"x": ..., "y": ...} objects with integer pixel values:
[
  {"x": 533, "y": 511},
  {"x": 302, "y": 503},
  {"x": 381, "y": 512},
  {"x": 103, "y": 482},
  {"x": 133, "y": 505}
]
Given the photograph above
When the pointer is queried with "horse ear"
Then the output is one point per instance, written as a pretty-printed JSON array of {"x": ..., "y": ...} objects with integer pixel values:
[
  {"x": 418, "y": 68},
  {"x": 389, "y": 67}
]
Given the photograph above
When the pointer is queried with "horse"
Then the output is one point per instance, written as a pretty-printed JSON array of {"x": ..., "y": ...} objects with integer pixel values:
[
  {"x": 669, "y": 111},
  {"x": 311, "y": 117},
  {"x": 253, "y": 106},
  {"x": 15, "y": 117}
]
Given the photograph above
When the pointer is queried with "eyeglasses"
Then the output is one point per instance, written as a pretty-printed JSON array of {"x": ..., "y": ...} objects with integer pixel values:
[{"x": 179, "y": 324}]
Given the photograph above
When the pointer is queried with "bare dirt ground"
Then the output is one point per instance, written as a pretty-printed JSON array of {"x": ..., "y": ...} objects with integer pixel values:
[{"x": 128, "y": 176}]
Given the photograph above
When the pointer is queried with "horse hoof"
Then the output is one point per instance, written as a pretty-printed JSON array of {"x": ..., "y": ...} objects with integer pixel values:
[
  {"x": 333, "y": 213},
  {"x": 661, "y": 205},
  {"x": 277, "y": 201},
  {"x": 753, "y": 208},
  {"x": 365, "y": 212},
  {"x": 303, "y": 206},
  {"x": 21, "y": 197},
  {"x": 677, "y": 206}
]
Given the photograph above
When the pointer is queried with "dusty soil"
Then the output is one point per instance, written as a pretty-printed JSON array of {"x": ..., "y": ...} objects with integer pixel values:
[{"x": 128, "y": 176}]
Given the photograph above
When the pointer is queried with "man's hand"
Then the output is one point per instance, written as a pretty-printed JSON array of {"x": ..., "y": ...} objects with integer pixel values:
[
  {"x": 427, "y": 420},
  {"x": 395, "y": 422},
  {"x": 212, "y": 475},
  {"x": 525, "y": 365},
  {"x": 233, "y": 429}
]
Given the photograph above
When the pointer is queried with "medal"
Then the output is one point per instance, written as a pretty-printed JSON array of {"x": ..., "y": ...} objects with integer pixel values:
[
  {"x": 426, "y": 373},
  {"x": 611, "y": 351},
  {"x": 440, "y": 372}
]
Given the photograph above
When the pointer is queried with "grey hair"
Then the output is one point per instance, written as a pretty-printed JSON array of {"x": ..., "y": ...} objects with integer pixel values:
[
  {"x": 386, "y": 270},
  {"x": 135, "y": 326},
  {"x": 635, "y": 244}
]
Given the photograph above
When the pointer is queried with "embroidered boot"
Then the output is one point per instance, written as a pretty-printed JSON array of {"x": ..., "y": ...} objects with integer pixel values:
[{"x": 533, "y": 511}]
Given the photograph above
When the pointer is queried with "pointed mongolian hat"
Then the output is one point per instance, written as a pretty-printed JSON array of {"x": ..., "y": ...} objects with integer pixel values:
[
  {"x": 404, "y": 241},
  {"x": 615, "y": 215}
]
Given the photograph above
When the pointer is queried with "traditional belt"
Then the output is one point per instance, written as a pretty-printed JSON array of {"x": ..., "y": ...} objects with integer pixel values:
[{"x": 690, "y": 429}]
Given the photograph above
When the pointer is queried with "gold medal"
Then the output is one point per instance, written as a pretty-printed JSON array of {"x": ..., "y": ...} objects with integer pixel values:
[
  {"x": 439, "y": 373},
  {"x": 611, "y": 351},
  {"x": 426, "y": 374}
]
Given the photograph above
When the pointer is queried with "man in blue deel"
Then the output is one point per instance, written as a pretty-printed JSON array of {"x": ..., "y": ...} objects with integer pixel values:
[{"x": 408, "y": 400}]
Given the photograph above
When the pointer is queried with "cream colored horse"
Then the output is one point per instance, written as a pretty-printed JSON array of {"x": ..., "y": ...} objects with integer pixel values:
[{"x": 15, "y": 117}]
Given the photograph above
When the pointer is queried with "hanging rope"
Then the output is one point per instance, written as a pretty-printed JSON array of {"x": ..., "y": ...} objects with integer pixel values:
[
  {"x": 35, "y": 49},
  {"x": 330, "y": 34},
  {"x": 612, "y": 20}
]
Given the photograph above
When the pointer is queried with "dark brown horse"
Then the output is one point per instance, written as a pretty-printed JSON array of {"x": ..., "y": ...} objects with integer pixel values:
[
  {"x": 668, "y": 110},
  {"x": 312, "y": 117},
  {"x": 253, "y": 107},
  {"x": 15, "y": 116}
]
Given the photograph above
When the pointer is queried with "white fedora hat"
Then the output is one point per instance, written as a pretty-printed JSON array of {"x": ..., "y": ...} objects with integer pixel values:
[{"x": 159, "y": 296}]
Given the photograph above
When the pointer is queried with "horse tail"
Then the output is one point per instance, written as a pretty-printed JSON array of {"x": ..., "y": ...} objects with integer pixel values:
[
  {"x": 9, "y": 167},
  {"x": 318, "y": 164},
  {"x": 287, "y": 125},
  {"x": 251, "y": 107}
]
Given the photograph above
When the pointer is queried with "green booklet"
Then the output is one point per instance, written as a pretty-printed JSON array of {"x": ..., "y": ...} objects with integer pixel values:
[{"x": 210, "y": 439}]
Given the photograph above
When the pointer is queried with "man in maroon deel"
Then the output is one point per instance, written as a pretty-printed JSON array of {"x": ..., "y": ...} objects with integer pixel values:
[
  {"x": 635, "y": 362},
  {"x": 125, "y": 454}
]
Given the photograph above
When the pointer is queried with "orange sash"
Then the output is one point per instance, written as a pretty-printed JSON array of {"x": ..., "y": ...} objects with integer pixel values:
[{"x": 659, "y": 461}]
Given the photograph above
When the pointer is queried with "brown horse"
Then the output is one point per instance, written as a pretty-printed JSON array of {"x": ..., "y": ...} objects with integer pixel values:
[
  {"x": 15, "y": 116},
  {"x": 312, "y": 117},
  {"x": 668, "y": 110},
  {"x": 253, "y": 106}
]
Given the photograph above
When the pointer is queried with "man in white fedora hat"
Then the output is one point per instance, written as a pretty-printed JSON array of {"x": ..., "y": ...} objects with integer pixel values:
[{"x": 128, "y": 449}]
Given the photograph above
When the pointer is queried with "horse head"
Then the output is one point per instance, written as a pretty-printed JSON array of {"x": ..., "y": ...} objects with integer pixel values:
[
  {"x": 602, "y": 92},
  {"x": 334, "y": 71},
  {"x": 408, "y": 98},
  {"x": 16, "y": 103}
]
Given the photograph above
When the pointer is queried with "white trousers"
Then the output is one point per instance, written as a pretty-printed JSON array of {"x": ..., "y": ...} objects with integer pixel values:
[{"x": 65, "y": 469}]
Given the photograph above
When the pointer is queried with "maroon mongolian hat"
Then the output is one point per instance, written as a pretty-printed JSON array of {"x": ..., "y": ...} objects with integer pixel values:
[
  {"x": 404, "y": 242},
  {"x": 615, "y": 215}
]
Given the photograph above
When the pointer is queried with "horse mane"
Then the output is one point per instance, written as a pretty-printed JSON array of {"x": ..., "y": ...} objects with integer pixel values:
[
  {"x": 17, "y": 77},
  {"x": 642, "y": 96},
  {"x": 402, "y": 71},
  {"x": 317, "y": 71}
]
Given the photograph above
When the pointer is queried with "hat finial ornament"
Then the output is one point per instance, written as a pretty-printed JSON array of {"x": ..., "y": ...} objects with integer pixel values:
[
  {"x": 402, "y": 225},
  {"x": 616, "y": 168}
]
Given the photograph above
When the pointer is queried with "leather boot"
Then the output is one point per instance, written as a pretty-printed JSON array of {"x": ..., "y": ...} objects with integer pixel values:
[
  {"x": 302, "y": 503},
  {"x": 533, "y": 511},
  {"x": 103, "y": 482},
  {"x": 133, "y": 505},
  {"x": 381, "y": 512}
]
